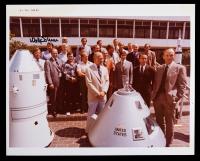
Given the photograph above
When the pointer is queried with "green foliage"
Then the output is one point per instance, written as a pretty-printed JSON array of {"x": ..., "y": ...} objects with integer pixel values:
[{"x": 15, "y": 45}]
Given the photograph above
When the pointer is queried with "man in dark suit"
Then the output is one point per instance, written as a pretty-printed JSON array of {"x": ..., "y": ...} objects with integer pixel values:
[
  {"x": 169, "y": 86},
  {"x": 133, "y": 56},
  {"x": 53, "y": 74},
  {"x": 143, "y": 76}
]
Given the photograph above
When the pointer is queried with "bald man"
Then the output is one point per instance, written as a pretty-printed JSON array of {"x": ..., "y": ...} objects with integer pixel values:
[
  {"x": 53, "y": 73},
  {"x": 97, "y": 81},
  {"x": 168, "y": 88}
]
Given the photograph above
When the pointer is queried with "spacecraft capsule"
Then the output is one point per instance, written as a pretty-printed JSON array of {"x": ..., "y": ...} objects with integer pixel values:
[
  {"x": 28, "y": 125},
  {"x": 125, "y": 122}
]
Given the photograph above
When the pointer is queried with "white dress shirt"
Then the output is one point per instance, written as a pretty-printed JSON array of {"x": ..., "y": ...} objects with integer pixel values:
[
  {"x": 142, "y": 68},
  {"x": 86, "y": 48},
  {"x": 46, "y": 55},
  {"x": 63, "y": 56},
  {"x": 83, "y": 66}
]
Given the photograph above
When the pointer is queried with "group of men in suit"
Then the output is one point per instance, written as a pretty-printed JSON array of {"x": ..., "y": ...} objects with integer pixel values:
[{"x": 153, "y": 82}]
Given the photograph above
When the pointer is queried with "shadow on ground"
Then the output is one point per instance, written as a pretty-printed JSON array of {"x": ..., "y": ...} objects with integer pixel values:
[
  {"x": 77, "y": 133},
  {"x": 71, "y": 132},
  {"x": 181, "y": 136}
]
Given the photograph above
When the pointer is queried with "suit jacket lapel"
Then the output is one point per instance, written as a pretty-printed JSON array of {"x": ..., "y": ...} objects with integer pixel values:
[
  {"x": 95, "y": 71},
  {"x": 160, "y": 74},
  {"x": 171, "y": 69},
  {"x": 55, "y": 65},
  {"x": 97, "y": 75},
  {"x": 146, "y": 69}
]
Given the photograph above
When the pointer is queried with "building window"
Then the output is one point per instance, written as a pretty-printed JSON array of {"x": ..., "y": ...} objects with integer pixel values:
[
  {"x": 106, "y": 31},
  {"x": 88, "y": 28},
  {"x": 15, "y": 27},
  {"x": 107, "y": 28},
  {"x": 159, "y": 30},
  {"x": 50, "y": 27},
  {"x": 69, "y": 27},
  {"x": 125, "y": 29},
  {"x": 69, "y": 30},
  {"x": 175, "y": 28},
  {"x": 31, "y": 27},
  {"x": 187, "y": 30},
  {"x": 142, "y": 29}
]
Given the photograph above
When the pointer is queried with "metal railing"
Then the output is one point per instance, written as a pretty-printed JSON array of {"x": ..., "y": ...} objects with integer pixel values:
[{"x": 181, "y": 102}]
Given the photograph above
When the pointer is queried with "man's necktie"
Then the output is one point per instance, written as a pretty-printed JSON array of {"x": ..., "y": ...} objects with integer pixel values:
[
  {"x": 99, "y": 71},
  {"x": 162, "y": 84},
  {"x": 57, "y": 62},
  {"x": 122, "y": 66},
  {"x": 141, "y": 69},
  {"x": 58, "y": 66}
]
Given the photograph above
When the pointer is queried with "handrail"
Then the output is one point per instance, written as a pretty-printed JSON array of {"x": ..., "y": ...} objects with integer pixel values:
[
  {"x": 187, "y": 86},
  {"x": 181, "y": 106},
  {"x": 186, "y": 96}
]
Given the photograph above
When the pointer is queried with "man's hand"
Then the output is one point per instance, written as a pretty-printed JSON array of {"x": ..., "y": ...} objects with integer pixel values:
[
  {"x": 73, "y": 79},
  {"x": 102, "y": 94},
  {"x": 176, "y": 102},
  {"x": 51, "y": 86},
  {"x": 176, "y": 99},
  {"x": 82, "y": 74}
]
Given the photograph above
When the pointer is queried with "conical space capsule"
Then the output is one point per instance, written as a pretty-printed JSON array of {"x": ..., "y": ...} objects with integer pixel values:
[
  {"x": 28, "y": 126},
  {"x": 125, "y": 122}
]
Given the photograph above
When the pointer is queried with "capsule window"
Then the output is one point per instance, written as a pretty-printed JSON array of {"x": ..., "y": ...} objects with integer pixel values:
[
  {"x": 138, "y": 105},
  {"x": 20, "y": 77},
  {"x": 36, "y": 76},
  {"x": 150, "y": 125},
  {"x": 137, "y": 134}
]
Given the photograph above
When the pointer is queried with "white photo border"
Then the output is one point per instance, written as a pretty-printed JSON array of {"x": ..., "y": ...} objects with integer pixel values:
[{"x": 122, "y": 10}]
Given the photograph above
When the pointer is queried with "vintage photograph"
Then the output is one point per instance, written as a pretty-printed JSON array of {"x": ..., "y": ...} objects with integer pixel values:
[{"x": 81, "y": 79}]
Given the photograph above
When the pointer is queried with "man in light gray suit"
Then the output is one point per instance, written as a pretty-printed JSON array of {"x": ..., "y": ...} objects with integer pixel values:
[
  {"x": 53, "y": 74},
  {"x": 168, "y": 88},
  {"x": 123, "y": 72},
  {"x": 97, "y": 81}
]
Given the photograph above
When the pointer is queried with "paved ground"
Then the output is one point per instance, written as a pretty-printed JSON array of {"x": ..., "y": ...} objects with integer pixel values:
[{"x": 69, "y": 130}]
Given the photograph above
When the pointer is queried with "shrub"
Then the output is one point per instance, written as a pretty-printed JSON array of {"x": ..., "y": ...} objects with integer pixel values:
[{"x": 15, "y": 45}]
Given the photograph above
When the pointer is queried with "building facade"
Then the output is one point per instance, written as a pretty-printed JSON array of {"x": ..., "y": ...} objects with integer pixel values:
[{"x": 158, "y": 31}]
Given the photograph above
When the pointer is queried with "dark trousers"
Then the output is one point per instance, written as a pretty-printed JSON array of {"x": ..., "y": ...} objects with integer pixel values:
[
  {"x": 145, "y": 92},
  {"x": 63, "y": 95},
  {"x": 72, "y": 96},
  {"x": 146, "y": 96},
  {"x": 164, "y": 111},
  {"x": 83, "y": 92},
  {"x": 54, "y": 99}
]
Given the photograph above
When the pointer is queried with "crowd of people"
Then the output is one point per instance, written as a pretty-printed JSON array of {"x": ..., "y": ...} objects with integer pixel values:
[{"x": 87, "y": 79}]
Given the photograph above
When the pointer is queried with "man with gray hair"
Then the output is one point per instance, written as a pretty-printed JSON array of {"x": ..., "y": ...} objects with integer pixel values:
[
  {"x": 168, "y": 88},
  {"x": 53, "y": 73},
  {"x": 97, "y": 80}
]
